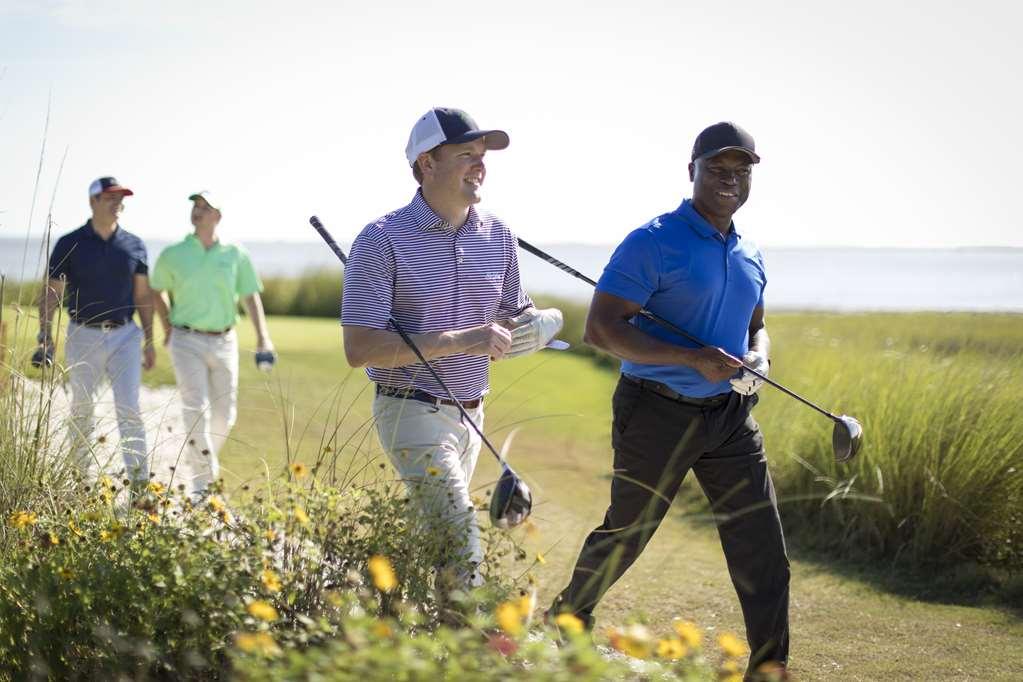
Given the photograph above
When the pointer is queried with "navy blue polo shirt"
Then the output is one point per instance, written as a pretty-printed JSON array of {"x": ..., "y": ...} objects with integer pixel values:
[
  {"x": 100, "y": 273},
  {"x": 679, "y": 267}
]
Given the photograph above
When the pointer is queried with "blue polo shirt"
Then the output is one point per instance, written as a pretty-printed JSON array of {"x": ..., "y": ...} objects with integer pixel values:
[
  {"x": 100, "y": 273},
  {"x": 679, "y": 267}
]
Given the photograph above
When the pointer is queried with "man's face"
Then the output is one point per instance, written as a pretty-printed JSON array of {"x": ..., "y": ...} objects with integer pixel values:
[
  {"x": 204, "y": 215},
  {"x": 456, "y": 170},
  {"x": 107, "y": 206},
  {"x": 721, "y": 183}
]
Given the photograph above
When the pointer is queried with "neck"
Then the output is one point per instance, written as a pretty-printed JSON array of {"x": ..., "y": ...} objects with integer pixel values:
[
  {"x": 206, "y": 235},
  {"x": 455, "y": 211},
  {"x": 104, "y": 227},
  {"x": 721, "y": 223}
]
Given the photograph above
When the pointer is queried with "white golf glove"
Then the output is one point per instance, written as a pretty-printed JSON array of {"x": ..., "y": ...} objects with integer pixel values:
[
  {"x": 748, "y": 383},
  {"x": 532, "y": 329}
]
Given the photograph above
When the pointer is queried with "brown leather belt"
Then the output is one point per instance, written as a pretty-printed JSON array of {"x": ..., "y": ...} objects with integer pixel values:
[
  {"x": 667, "y": 392},
  {"x": 424, "y": 397},
  {"x": 219, "y": 332}
]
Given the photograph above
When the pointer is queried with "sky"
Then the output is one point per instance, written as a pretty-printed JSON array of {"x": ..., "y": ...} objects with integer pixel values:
[{"x": 880, "y": 124}]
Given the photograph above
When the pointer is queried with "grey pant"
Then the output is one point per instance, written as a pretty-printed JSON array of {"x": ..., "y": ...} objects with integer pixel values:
[
  {"x": 93, "y": 355},
  {"x": 656, "y": 442}
]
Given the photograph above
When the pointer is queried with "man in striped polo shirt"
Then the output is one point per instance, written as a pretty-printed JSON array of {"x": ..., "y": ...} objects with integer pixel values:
[{"x": 449, "y": 275}]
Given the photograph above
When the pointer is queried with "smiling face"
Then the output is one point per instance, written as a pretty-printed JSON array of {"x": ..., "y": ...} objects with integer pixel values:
[
  {"x": 455, "y": 171},
  {"x": 107, "y": 206},
  {"x": 721, "y": 184}
]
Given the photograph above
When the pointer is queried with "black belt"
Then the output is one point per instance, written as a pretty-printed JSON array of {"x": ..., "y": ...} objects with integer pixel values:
[
  {"x": 667, "y": 392},
  {"x": 219, "y": 332},
  {"x": 101, "y": 324},
  {"x": 423, "y": 396}
]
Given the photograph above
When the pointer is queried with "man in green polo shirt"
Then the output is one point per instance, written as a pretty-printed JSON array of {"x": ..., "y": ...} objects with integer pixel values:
[{"x": 205, "y": 278}]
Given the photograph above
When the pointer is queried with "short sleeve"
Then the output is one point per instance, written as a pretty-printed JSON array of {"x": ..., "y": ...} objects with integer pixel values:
[
  {"x": 162, "y": 278},
  {"x": 513, "y": 298},
  {"x": 248, "y": 281},
  {"x": 368, "y": 293},
  {"x": 59, "y": 266},
  {"x": 633, "y": 273},
  {"x": 141, "y": 258}
]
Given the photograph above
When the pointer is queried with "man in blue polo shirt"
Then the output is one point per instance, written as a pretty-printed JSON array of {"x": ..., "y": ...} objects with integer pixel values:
[
  {"x": 678, "y": 407},
  {"x": 101, "y": 273}
]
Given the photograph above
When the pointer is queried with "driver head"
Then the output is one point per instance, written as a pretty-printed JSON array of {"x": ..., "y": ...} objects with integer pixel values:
[
  {"x": 511, "y": 502},
  {"x": 846, "y": 438}
]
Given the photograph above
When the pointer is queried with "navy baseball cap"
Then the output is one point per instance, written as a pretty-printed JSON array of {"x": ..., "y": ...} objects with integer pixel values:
[
  {"x": 443, "y": 125},
  {"x": 108, "y": 184},
  {"x": 722, "y": 137}
]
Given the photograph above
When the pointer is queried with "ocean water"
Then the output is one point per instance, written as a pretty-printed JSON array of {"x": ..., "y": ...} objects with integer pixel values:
[{"x": 840, "y": 279}]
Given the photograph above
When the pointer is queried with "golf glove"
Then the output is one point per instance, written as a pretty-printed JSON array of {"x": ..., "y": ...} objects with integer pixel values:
[
  {"x": 532, "y": 329},
  {"x": 265, "y": 360},
  {"x": 43, "y": 357},
  {"x": 748, "y": 383}
]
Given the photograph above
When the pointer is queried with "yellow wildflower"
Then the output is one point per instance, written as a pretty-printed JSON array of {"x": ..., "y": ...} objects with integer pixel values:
[
  {"x": 382, "y": 573},
  {"x": 73, "y": 527},
  {"x": 301, "y": 516},
  {"x": 671, "y": 649},
  {"x": 271, "y": 581},
  {"x": 257, "y": 643},
  {"x": 509, "y": 618},
  {"x": 688, "y": 633},
  {"x": 730, "y": 672},
  {"x": 106, "y": 482},
  {"x": 154, "y": 519},
  {"x": 432, "y": 471},
  {"x": 526, "y": 603},
  {"x": 540, "y": 558},
  {"x": 106, "y": 497},
  {"x": 52, "y": 538},
  {"x": 156, "y": 488},
  {"x": 731, "y": 645},
  {"x": 216, "y": 504},
  {"x": 299, "y": 470},
  {"x": 262, "y": 610},
  {"x": 105, "y": 535},
  {"x": 382, "y": 630},
  {"x": 635, "y": 641},
  {"x": 270, "y": 535},
  {"x": 569, "y": 623},
  {"x": 23, "y": 519}
]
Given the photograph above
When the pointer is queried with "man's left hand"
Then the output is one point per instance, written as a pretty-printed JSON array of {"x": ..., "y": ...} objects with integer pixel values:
[
  {"x": 749, "y": 383},
  {"x": 532, "y": 330},
  {"x": 148, "y": 356}
]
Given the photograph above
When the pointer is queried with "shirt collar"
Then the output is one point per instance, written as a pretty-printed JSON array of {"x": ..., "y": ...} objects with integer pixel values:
[
  {"x": 688, "y": 213},
  {"x": 424, "y": 217},
  {"x": 193, "y": 240},
  {"x": 91, "y": 231}
]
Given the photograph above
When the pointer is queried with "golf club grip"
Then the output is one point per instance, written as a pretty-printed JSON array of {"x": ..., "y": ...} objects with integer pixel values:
[
  {"x": 315, "y": 222},
  {"x": 668, "y": 325}
]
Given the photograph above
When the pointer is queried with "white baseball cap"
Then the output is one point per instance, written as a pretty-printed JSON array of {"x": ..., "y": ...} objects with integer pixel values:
[
  {"x": 442, "y": 125},
  {"x": 209, "y": 198}
]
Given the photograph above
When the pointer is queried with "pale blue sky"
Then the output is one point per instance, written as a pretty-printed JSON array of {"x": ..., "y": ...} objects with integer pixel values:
[{"x": 879, "y": 123}]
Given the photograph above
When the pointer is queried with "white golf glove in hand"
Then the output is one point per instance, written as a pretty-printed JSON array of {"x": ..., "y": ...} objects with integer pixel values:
[
  {"x": 532, "y": 329},
  {"x": 748, "y": 383}
]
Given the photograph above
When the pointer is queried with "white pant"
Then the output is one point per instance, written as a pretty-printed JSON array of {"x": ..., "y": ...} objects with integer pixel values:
[
  {"x": 92, "y": 354},
  {"x": 435, "y": 453},
  {"x": 206, "y": 368}
]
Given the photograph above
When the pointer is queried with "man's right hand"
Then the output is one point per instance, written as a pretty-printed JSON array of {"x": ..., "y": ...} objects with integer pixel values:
[
  {"x": 43, "y": 355},
  {"x": 714, "y": 364},
  {"x": 489, "y": 339}
]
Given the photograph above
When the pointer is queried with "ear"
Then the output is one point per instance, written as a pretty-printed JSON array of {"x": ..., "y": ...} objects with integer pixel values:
[
  {"x": 692, "y": 171},
  {"x": 426, "y": 163}
]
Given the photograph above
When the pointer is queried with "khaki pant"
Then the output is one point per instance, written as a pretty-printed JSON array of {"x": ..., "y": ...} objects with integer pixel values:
[
  {"x": 435, "y": 454},
  {"x": 206, "y": 369}
]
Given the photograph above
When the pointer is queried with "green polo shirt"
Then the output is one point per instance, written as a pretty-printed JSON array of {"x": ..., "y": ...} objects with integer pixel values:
[{"x": 204, "y": 284}]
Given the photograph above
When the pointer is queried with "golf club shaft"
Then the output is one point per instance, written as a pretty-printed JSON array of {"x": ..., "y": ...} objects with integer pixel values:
[
  {"x": 315, "y": 222},
  {"x": 667, "y": 325}
]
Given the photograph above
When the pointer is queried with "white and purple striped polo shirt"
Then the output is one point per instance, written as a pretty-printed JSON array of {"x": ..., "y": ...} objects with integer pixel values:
[{"x": 413, "y": 266}]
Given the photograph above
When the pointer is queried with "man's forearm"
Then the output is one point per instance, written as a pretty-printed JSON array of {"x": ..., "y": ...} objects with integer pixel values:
[
  {"x": 254, "y": 306},
  {"x": 160, "y": 306},
  {"x": 760, "y": 342},
  {"x": 146, "y": 318},
  {"x": 627, "y": 342},
  {"x": 49, "y": 301},
  {"x": 366, "y": 347}
]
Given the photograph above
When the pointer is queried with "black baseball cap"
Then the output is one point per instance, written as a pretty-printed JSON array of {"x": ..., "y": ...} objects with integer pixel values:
[
  {"x": 443, "y": 125},
  {"x": 722, "y": 137}
]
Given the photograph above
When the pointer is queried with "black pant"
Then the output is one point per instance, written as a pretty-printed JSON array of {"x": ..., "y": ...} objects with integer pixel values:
[{"x": 656, "y": 442}]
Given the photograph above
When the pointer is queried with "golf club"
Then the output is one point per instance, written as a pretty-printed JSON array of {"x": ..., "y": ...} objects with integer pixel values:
[
  {"x": 846, "y": 437},
  {"x": 512, "y": 498}
]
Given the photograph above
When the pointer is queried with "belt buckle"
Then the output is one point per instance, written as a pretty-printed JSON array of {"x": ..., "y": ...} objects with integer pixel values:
[{"x": 107, "y": 325}]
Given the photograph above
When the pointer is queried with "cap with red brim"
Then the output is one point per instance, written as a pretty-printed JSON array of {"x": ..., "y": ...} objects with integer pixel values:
[{"x": 108, "y": 185}]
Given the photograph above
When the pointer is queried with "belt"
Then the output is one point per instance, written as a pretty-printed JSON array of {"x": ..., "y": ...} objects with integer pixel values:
[
  {"x": 105, "y": 325},
  {"x": 424, "y": 397},
  {"x": 669, "y": 393},
  {"x": 219, "y": 332}
]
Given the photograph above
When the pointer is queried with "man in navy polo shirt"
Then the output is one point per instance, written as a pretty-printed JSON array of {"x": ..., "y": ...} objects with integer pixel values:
[
  {"x": 678, "y": 407},
  {"x": 101, "y": 273}
]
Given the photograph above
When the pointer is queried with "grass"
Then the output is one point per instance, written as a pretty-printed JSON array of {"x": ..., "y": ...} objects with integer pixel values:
[{"x": 910, "y": 378}]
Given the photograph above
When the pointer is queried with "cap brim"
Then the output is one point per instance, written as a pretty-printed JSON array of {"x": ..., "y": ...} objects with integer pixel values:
[
  {"x": 495, "y": 139},
  {"x": 117, "y": 189},
  {"x": 205, "y": 198},
  {"x": 753, "y": 156}
]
